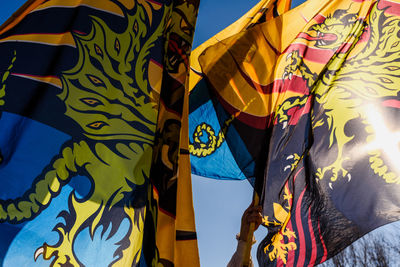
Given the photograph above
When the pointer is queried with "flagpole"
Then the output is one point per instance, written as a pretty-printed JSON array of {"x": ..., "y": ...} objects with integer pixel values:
[{"x": 249, "y": 240}]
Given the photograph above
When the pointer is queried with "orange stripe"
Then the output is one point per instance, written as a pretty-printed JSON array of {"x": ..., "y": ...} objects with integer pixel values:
[
  {"x": 20, "y": 14},
  {"x": 155, "y": 73},
  {"x": 283, "y": 6},
  {"x": 46, "y": 39},
  {"x": 236, "y": 90},
  {"x": 106, "y": 6},
  {"x": 37, "y": 5},
  {"x": 52, "y": 80}
]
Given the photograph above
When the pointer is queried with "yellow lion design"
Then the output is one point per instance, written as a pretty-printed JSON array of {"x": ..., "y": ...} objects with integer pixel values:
[
  {"x": 278, "y": 248},
  {"x": 352, "y": 86},
  {"x": 108, "y": 96}
]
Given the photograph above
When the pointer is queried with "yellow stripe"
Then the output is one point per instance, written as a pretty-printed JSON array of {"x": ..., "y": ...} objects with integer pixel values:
[
  {"x": 281, "y": 31},
  {"x": 155, "y": 72},
  {"x": 166, "y": 236},
  {"x": 55, "y": 81},
  {"x": 106, "y": 6},
  {"x": 46, "y": 39},
  {"x": 283, "y": 6},
  {"x": 37, "y": 5},
  {"x": 250, "y": 17},
  {"x": 19, "y": 15}
]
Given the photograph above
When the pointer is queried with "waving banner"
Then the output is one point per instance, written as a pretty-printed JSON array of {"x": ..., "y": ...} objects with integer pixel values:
[
  {"x": 91, "y": 102},
  {"x": 310, "y": 102},
  {"x": 209, "y": 120}
]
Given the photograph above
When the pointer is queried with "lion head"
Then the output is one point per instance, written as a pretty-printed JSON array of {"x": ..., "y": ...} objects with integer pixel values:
[{"x": 333, "y": 31}]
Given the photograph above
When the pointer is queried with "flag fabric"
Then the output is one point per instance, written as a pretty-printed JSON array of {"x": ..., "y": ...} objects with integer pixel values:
[
  {"x": 92, "y": 98},
  {"x": 176, "y": 237},
  {"x": 311, "y": 99},
  {"x": 209, "y": 119}
]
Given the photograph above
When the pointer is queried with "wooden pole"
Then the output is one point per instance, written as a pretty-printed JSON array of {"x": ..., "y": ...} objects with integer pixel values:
[{"x": 249, "y": 240}]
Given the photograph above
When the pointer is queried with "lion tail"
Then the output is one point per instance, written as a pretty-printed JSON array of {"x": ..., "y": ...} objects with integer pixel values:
[{"x": 45, "y": 187}]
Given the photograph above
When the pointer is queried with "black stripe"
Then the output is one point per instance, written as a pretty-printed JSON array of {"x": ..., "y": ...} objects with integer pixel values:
[
  {"x": 275, "y": 10},
  {"x": 34, "y": 100},
  {"x": 38, "y": 59},
  {"x": 64, "y": 20},
  {"x": 185, "y": 235}
]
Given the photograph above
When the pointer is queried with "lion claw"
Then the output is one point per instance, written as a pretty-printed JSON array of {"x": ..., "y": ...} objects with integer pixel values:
[
  {"x": 38, "y": 252},
  {"x": 289, "y": 56},
  {"x": 285, "y": 74}
]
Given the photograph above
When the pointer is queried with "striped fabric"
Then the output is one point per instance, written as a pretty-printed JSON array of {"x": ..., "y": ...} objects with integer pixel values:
[
  {"x": 92, "y": 116},
  {"x": 305, "y": 105}
]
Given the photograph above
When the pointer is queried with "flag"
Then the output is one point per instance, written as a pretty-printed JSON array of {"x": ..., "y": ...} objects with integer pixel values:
[
  {"x": 176, "y": 237},
  {"x": 321, "y": 83},
  {"x": 92, "y": 98},
  {"x": 209, "y": 120}
]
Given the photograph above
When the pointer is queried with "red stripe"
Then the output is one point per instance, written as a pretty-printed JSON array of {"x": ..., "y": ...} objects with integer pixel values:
[
  {"x": 248, "y": 119},
  {"x": 154, "y": 2},
  {"x": 297, "y": 174},
  {"x": 157, "y": 63},
  {"x": 34, "y": 76},
  {"x": 323, "y": 243},
  {"x": 40, "y": 33},
  {"x": 155, "y": 189},
  {"x": 167, "y": 213},
  {"x": 393, "y": 103},
  {"x": 160, "y": 209},
  {"x": 310, "y": 53},
  {"x": 344, "y": 48},
  {"x": 366, "y": 36},
  {"x": 291, "y": 254},
  {"x": 277, "y": 86},
  {"x": 302, "y": 246},
  {"x": 393, "y": 8},
  {"x": 296, "y": 113},
  {"x": 79, "y": 32},
  {"x": 296, "y": 84},
  {"x": 276, "y": 51},
  {"x": 319, "y": 18},
  {"x": 314, "y": 244},
  {"x": 264, "y": 89}
]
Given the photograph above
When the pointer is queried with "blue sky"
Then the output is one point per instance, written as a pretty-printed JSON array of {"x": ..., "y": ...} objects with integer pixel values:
[
  {"x": 217, "y": 15},
  {"x": 218, "y": 204},
  {"x": 9, "y": 7}
]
